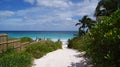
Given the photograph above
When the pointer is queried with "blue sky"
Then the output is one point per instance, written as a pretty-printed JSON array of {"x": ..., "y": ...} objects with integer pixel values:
[{"x": 44, "y": 15}]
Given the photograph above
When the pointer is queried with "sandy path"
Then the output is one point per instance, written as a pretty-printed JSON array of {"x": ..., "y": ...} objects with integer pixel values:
[{"x": 61, "y": 58}]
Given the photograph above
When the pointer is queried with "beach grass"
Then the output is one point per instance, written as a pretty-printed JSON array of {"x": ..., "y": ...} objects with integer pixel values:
[
  {"x": 26, "y": 39},
  {"x": 24, "y": 58},
  {"x": 39, "y": 49},
  {"x": 11, "y": 58}
]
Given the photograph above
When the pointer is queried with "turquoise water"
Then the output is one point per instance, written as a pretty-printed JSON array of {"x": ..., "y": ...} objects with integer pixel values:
[{"x": 53, "y": 35}]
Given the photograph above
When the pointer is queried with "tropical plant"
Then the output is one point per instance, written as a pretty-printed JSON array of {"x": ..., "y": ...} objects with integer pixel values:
[
  {"x": 104, "y": 42},
  {"x": 85, "y": 23}
]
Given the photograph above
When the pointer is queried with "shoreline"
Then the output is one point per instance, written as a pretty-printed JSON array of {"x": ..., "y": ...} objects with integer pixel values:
[{"x": 64, "y": 41}]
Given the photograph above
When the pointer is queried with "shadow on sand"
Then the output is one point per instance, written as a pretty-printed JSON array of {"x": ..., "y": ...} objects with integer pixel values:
[{"x": 85, "y": 62}]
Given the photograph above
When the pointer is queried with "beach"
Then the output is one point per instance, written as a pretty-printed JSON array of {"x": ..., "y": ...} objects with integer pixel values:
[{"x": 64, "y": 57}]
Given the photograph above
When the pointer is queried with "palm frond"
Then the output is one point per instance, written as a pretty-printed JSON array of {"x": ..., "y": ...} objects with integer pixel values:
[
  {"x": 80, "y": 21},
  {"x": 77, "y": 24}
]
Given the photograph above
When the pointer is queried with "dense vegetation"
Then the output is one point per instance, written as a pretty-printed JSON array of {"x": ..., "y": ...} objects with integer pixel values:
[
  {"x": 104, "y": 46},
  {"x": 12, "y": 58},
  {"x": 102, "y": 42}
]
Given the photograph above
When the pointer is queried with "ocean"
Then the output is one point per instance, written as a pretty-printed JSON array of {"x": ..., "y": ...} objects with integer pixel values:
[{"x": 53, "y": 35}]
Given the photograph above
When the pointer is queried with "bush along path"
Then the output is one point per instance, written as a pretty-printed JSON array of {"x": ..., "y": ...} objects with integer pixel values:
[
  {"x": 39, "y": 49},
  {"x": 12, "y": 58},
  {"x": 102, "y": 43}
]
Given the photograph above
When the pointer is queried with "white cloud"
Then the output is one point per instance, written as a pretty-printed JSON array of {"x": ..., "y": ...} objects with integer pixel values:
[
  {"x": 4, "y": 14},
  {"x": 69, "y": 18},
  {"x": 30, "y": 1},
  {"x": 54, "y": 3},
  {"x": 50, "y": 14},
  {"x": 50, "y": 3}
]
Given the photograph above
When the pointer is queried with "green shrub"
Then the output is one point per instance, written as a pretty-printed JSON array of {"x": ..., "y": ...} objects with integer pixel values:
[
  {"x": 26, "y": 39},
  {"x": 37, "y": 50},
  {"x": 79, "y": 43},
  {"x": 75, "y": 43},
  {"x": 104, "y": 42},
  {"x": 15, "y": 59}
]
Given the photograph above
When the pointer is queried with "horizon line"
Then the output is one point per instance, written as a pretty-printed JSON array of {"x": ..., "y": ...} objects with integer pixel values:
[{"x": 37, "y": 30}]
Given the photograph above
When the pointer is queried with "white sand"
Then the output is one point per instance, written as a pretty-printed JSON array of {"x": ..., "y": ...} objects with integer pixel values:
[{"x": 61, "y": 58}]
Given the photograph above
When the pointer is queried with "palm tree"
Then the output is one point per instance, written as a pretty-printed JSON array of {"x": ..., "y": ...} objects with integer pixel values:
[
  {"x": 85, "y": 23},
  {"x": 106, "y": 7},
  {"x": 90, "y": 23}
]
